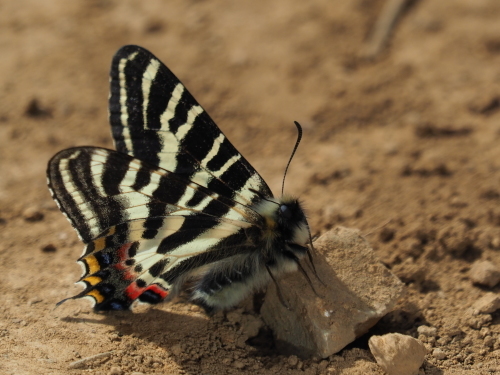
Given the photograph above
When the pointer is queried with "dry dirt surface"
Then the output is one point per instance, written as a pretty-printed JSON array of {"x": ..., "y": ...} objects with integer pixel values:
[{"x": 405, "y": 147}]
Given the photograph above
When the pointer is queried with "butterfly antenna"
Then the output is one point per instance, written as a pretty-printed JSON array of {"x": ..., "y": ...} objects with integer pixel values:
[
  {"x": 299, "y": 137},
  {"x": 278, "y": 290}
]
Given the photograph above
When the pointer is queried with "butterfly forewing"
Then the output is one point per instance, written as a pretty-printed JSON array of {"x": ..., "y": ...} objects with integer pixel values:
[{"x": 155, "y": 119}]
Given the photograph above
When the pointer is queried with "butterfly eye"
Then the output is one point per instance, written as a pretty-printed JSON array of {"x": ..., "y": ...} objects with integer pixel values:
[{"x": 286, "y": 213}]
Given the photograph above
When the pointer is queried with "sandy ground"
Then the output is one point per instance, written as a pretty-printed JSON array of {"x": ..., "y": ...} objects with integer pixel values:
[{"x": 405, "y": 148}]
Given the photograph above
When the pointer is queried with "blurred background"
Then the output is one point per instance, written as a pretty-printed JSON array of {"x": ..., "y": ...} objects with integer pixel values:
[{"x": 399, "y": 101}]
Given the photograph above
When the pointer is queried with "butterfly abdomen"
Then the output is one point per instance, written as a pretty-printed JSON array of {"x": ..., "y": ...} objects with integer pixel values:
[{"x": 283, "y": 240}]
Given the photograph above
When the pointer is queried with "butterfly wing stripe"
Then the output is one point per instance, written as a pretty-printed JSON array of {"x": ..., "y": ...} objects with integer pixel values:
[
  {"x": 59, "y": 180},
  {"x": 169, "y": 113},
  {"x": 122, "y": 103},
  {"x": 147, "y": 79}
]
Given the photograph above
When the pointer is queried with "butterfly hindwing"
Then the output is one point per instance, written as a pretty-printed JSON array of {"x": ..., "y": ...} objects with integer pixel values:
[{"x": 126, "y": 210}]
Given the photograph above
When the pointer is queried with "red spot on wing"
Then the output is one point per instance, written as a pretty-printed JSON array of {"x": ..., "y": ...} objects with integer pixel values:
[
  {"x": 158, "y": 290},
  {"x": 122, "y": 252},
  {"x": 133, "y": 291},
  {"x": 123, "y": 255}
]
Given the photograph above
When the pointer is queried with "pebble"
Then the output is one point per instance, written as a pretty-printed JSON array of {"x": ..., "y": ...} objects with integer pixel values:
[
  {"x": 176, "y": 350},
  {"x": 115, "y": 371},
  {"x": 293, "y": 360},
  {"x": 238, "y": 364},
  {"x": 427, "y": 331},
  {"x": 489, "y": 341},
  {"x": 478, "y": 321},
  {"x": 485, "y": 272},
  {"x": 398, "y": 354},
  {"x": 32, "y": 214},
  {"x": 234, "y": 317},
  {"x": 487, "y": 304},
  {"x": 33, "y": 301},
  {"x": 251, "y": 326},
  {"x": 438, "y": 354}
]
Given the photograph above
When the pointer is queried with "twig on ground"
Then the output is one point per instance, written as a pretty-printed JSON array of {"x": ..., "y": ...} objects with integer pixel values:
[
  {"x": 84, "y": 361},
  {"x": 386, "y": 21}
]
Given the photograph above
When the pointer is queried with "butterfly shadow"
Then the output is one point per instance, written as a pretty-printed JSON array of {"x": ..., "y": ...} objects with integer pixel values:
[{"x": 180, "y": 329}]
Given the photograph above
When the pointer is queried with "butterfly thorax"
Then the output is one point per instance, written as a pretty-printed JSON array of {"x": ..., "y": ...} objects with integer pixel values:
[{"x": 285, "y": 228}]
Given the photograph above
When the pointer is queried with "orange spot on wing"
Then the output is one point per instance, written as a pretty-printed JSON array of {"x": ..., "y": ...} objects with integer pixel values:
[
  {"x": 92, "y": 264},
  {"x": 93, "y": 280},
  {"x": 98, "y": 296},
  {"x": 99, "y": 244}
]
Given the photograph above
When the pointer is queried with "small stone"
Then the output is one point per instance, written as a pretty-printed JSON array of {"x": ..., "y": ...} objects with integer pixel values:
[
  {"x": 398, "y": 354},
  {"x": 457, "y": 203},
  {"x": 176, "y": 350},
  {"x": 238, "y": 364},
  {"x": 485, "y": 272},
  {"x": 478, "y": 321},
  {"x": 234, "y": 317},
  {"x": 489, "y": 341},
  {"x": 251, "y": 326},
  {"x": 34, "y": 300},
  {"x": 322, "y": 366},
  {"x": 439, "y": 354},
  {"x": 495, "y": 243},
  {"x": 427, "y": 331},
  {"x": 293, "y": 360},
  {"x": 32, "y": 214},
  {"x": 49, "y": 248},
  {"x": 195, "y": 308},
  {"x": 487, "y": 304},
  {"x": 115, "y": 371}
]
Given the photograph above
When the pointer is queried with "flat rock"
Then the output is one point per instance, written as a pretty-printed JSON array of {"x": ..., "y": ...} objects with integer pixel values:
[
  {"x": 358, "y": 290},
  {"x": 485, "y": 272},
  {"x": 487, "y": 304},
  {"x": 398, "y": 354}
]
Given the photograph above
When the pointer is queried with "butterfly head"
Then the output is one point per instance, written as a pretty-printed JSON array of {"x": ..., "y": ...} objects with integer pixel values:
[
  {"x": 285, "y": 225},
  {"x": 292, "y": 223}
]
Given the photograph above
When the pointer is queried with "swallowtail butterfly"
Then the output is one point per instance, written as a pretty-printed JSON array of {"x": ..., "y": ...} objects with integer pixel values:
[{"x": 175, "y": 207}]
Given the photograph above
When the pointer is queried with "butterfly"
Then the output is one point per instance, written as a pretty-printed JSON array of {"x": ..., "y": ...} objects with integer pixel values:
[{"x": 176, "y": 208}]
